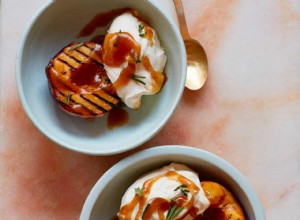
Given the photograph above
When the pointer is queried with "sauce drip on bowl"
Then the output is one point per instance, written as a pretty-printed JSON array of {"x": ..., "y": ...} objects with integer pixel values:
[
  {"x": 100, "y": 20},
  {"x": 117, "y": 118}
]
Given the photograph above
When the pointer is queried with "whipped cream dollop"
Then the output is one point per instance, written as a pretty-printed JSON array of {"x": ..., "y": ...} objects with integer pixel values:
[
  {"x": 157, "y": 194},
  {"x": 136, "y": 44}
]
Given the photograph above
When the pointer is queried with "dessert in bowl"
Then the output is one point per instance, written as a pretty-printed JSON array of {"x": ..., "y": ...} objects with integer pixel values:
[
  {"x": 52, "y": 33},
  {"x": 89, "y": 79},
  {"x": 188, "y": 182}
]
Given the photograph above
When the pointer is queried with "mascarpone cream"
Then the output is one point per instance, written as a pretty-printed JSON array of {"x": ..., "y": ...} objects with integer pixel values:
[
  {"x": 155, "y": 194},
  {"x": 149, "y": 60}
]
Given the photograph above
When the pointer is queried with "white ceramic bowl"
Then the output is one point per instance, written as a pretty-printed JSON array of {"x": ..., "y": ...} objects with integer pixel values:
[
  {"x": 104, "y": 200},
  {"x": 55, "y": 26}
]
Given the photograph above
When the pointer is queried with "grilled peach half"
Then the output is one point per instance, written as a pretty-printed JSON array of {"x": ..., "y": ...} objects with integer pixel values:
[{"x": 79, "y": 83}]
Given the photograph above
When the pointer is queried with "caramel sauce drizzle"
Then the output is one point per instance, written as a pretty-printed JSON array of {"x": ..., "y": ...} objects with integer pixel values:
[
  {"x": 148, "y": 33},
  {"x": 159, "y": 205},
  {"x": 158, "y": 77},
  {"x": 121, "y": 47},
  {"x": 117, "y": 48}
]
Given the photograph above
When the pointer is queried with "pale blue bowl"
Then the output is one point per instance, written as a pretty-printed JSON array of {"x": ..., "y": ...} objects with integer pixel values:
[
  {"x": 103, "y": 201},
  {"x": 55, "y": 26}
]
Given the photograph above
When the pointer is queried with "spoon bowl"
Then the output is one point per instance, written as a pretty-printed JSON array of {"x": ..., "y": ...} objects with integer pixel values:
[{"x": 197, "y": 64}]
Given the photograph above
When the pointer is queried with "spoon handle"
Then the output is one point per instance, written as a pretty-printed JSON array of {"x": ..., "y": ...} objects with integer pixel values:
[{"x": 181, "y": 18}]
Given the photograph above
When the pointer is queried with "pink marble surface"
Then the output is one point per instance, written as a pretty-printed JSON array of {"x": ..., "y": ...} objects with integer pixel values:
[{"x": 248, "y": 112}]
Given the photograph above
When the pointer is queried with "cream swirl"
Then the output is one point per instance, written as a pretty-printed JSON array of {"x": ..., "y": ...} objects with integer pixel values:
[
  {"x": 149, "y": 60},
  {"x": 155, "y": 194}
]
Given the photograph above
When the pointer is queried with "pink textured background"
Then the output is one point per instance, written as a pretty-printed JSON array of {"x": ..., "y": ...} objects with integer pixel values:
[{"x": 248, "y": 112}]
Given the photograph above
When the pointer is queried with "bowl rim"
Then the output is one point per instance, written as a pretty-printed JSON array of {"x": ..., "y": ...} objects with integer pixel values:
[
  {"x": 167, "y": 150},
  {"x": 111, "y": 151}
]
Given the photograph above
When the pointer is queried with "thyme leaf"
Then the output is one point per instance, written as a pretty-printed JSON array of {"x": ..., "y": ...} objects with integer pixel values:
[
  {"x": 75, "y": 46},
  {"x": 68, "y": 98},
  {"x": 142, "y": 30},
  {"x": 139, "y": 191},
  {"x": 138, "y": 78},
  {"x": 183, "y": 189},
  {"x": 138, "y": 60},
  {"x": 173, "y": 212}
]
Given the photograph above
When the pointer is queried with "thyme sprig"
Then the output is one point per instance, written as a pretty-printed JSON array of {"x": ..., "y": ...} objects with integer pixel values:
[
  {"x": 75, "y": 46},
  {"x": 183, "y": 189},
  {"x": 138, "y": 78},
  {"x": 174, "y": 211},
  {"x": 142, "y": 30}
]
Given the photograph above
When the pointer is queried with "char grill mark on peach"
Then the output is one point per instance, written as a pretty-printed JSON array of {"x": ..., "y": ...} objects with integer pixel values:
[
  {"x": 67, "y": 64},
  {"x": 94, "y": 102},
  {"x": 82, "y": 111},
  {"x": 79, "y": 83},
  {"x": 89, "y": 52},
  {"x": 75, "y": 59},
  {"x": 87, "y": 56},
  {"x": 104, "y": 100}
]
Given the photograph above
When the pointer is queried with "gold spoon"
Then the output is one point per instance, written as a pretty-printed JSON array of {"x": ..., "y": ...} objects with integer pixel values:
[{"x": 197, "y": 65}]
